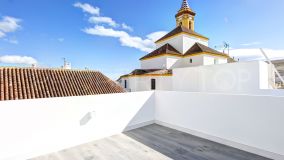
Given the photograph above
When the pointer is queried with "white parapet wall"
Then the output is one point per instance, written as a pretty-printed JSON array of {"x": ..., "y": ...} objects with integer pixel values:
[
  {"x": 248, "y": 122},
  {"x": 241, "y": 77},
  {"x": 31, "y": 128},
  {"x": 252, "y": 123}
]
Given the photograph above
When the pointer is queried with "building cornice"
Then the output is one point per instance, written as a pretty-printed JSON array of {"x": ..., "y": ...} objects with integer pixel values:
[
  {"x": 194, "y": 35},
  {"x": 162, "y": 55},
  {"x": 147, "y": 75},
  {"x": 185, "y": 56}
]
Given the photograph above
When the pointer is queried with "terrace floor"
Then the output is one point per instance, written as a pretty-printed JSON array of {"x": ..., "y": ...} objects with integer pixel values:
[{"x": 153, "y": 142}]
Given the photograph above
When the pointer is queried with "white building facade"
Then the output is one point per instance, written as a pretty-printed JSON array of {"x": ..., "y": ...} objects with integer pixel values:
[{"x": 183, "y": 55}]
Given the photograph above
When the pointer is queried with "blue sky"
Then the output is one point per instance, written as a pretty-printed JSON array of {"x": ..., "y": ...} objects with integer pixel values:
[{"x": 111, "y": 36}]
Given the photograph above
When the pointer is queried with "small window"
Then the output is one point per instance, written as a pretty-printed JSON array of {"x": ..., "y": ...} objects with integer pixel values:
[
  {"x": 153, "y": 84},
  {"x": 125, "y": 83},
  {"x": 215, "y": 61},
  {"x": 190, "y": 61}
]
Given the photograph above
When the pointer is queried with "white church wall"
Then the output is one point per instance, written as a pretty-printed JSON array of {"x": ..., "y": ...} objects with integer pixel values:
[
  {"x": 143, "y": 83},
  {"x": 154, "y": 63},
  {"x": 199, "y": 60},
  {"x": 185, "y": 62},
  {"x": 176, "y": 42},
  {"x": 210, "y": 60},
  {"x": 196, "y": 61},
  {"x": 245, "y": 77},
  {"x": 182, "y": 42},
  {"x": 222, "y": 60},
  {"x": 189, "y": 41},
  {"x": 172, "y": 61},
  {"x": 163, "y": 62}
]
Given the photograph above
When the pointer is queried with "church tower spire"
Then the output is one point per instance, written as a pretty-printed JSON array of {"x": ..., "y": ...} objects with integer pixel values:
[
  {"x": 184, "y": 5},
  {"x": 185, "y": 16}
]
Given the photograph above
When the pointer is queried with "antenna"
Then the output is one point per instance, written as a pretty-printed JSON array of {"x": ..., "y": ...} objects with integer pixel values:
[
  {"x": 227, "y": 46},
  {"x": 224, "y": 47}
]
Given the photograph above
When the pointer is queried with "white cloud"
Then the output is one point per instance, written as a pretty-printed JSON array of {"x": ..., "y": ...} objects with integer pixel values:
[
  {"x": 145, "y": 45},
  {"x": 126, "y": 27},
  {"x": 97, "y": 19},
  {"x": 13, "y": 41},
  {"x": 255, "y": 54},
  {"x": 61, "y": 39},
  {"x": 156, "y": 35},
  {"x": 8, "y": 24},
  {"x": 251, "y": 44},
  {"x": 107, "y": 32},
  {"x": 106, "y": 20},
  {"x": 226, "y": 20},
  {"x": 2, "y": 34},
  {"x": 88, "y": 8},
  {"x": 16, "y": 59}
]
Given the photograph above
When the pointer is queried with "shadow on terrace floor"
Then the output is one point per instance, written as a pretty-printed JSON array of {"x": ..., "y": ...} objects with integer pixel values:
[
  {"x": 152, "y": 142},
  {"x": 181, "y": 146}
]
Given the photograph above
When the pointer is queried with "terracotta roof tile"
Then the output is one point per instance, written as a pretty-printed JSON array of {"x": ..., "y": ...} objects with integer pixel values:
[
  {"x": 165, "y": 49},
  {"x": 197, "y": 48},
  {"x": 31, "y": 83},
  {"x": 180, "y": 29},
  {"x": 138, "y": 72}
]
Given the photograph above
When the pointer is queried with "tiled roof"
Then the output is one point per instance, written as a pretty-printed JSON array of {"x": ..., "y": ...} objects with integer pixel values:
[
  {"x": 198, "y": 48},
  {"x": 180, "y": 29},
  {"x": 32, "y": 83},
  {"x": 165, "y": 49},
  {"x": 139, "y": 72},
  {"x": 184, "y": 5},
  {"x": 185, "y": 9}
]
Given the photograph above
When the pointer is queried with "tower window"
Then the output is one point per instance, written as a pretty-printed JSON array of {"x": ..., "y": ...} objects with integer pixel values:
[
  {"x": 125, "y": 83},
  {"x": 189, "y": 25},
  {"x": 190, "y": 61},
  {"x": 153, "y": 84},
  {"x": 180, "y": 23}
]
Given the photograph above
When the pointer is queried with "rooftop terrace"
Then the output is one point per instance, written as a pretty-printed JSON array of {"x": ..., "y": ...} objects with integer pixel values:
[
  {"x": 144, "y": 125},
  {"x": 151, "y": 142}
]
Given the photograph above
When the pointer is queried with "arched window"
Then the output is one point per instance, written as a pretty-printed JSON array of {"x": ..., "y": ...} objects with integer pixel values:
[{"x": 189, "y": 25}]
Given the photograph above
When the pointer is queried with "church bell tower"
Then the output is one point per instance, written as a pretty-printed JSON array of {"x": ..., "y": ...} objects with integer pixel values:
[{"x": 185, "y": 16}]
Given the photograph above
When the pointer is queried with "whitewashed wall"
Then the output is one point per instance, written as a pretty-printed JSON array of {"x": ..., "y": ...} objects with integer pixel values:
[
  {"x": 252, "y": 123},
  {"x": 185, "y": 62},
  {"x": 182, "y": 42},
  {"x": 189, "y": 41},
  {"x": 210, "y": 60},
  {"x": 136, "y": 84},
  {"x": 34, "y": 127},
  {"x": 244, "y": 77},
  {"x": 164, "y": 62},
  {"x": 172, "y": 61},
  {"x": 154, "y": 63},
  {"x": 176, "y": 42}
]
